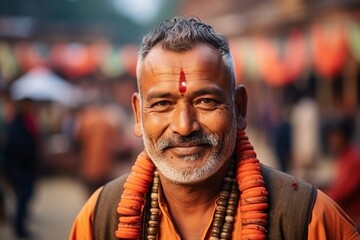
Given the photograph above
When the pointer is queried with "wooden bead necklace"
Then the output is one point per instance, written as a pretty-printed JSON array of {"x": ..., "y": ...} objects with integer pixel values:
[
  {"x": 139, "y": 208},
  {"x": 226, "y": 206}
]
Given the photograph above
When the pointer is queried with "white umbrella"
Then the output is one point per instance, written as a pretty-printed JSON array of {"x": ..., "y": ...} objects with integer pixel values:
[{"x": 43, "y": 85}]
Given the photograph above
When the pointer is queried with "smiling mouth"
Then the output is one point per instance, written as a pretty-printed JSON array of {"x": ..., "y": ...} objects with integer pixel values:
[
  {"x": 190, "y": 150},
  {"x": 189, "y": 147}
]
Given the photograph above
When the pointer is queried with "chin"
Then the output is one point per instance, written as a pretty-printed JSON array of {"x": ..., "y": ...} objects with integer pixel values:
[{"x": 190, "y": 175}]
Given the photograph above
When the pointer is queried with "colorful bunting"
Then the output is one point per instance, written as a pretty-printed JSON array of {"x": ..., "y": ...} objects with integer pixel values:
[{"x": 325, "y": 47}]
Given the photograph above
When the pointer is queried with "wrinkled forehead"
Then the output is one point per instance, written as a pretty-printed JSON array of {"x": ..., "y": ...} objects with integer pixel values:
[
  {"x": 200, "y": 59},
  {"x": 199, "y": 56}
]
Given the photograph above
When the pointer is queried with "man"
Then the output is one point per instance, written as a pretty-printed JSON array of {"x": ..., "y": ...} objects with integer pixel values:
[
  {"x": 344, "y": 188},
  {"x": 95, "y": 133},
  {"x": 198, "y": 177},
  {"x": 22, "y": 159}
]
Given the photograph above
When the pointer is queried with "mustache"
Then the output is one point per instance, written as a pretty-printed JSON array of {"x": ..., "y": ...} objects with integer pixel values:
[{"x": 187, "y": 141}]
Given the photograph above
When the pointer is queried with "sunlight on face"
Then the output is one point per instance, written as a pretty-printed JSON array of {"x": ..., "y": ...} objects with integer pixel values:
[{"x": 189, "y": 135}]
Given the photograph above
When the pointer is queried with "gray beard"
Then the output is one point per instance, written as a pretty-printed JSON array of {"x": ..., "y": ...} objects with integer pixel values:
[{"x": 188, "y": 175}]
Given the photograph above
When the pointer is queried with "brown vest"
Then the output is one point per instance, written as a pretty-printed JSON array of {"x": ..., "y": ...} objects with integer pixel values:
[{"x": 290, "y": 201}]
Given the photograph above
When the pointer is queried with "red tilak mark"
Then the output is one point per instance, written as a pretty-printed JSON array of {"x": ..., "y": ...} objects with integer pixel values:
[{"x": 182, "y": 82}]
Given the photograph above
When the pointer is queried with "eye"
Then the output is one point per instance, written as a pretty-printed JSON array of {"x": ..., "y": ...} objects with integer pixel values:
[
  {"x": 207, "y": 103},
  {"x": 161, "y": 104}
]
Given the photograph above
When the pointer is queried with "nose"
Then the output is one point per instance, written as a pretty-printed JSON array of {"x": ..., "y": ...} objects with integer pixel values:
[{"x": 184, "y": 120}]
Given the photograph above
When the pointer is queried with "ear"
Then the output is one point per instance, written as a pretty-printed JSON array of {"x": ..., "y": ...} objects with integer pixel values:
[
  {"x": 241, "y": 106},
  {"x": 135, "y": 102}
]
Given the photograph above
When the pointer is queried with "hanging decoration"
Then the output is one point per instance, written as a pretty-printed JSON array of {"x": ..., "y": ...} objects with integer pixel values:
[
  {"x": 278, "y": 61},
  {"x": 238, "y": 62},
  {"x": 329, "y": 48},
  {"x": 74, "y": 60},
  {"x": 112, "y": 65},
  {"x": 280, "y": 66},
  {"x": 354, "y": 39},
  {"x": 128, "y": 54},
  {"x": 250, "y": 64},
  {"x": 8, "y": 65},
  {"x": 28, "y": 57},
  {"x": 296, "y": 53}
]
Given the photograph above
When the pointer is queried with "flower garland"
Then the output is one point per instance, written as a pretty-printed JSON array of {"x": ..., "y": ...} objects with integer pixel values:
[{"x": 253, "y": 194}]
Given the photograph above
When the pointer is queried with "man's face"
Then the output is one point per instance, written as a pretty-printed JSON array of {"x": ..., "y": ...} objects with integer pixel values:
[{"x": 189, "y": 132}]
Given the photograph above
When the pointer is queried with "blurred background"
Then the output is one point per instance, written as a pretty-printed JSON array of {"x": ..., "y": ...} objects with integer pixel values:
[{"x": 67, "y": 73}]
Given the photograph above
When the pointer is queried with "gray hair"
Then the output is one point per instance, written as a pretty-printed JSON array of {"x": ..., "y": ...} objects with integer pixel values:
[{"x": 180, "y": 34}]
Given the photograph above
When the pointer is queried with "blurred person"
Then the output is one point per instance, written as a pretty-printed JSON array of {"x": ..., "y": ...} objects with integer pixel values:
[
  {"x": 6, "y": 114},
  {"x": 94, "y": 134},
  {"x": 127, "y": 144},
  {"x": 304, "y": 121},
  {"x": 280, "y": 137},
  {"x": 122, "y": 89},
  {"x": 345, "y": 186},
  {"x": 22, "y": 152},
  {"x": 282, "y": 144},
  {"x": 198, "y": 177}
]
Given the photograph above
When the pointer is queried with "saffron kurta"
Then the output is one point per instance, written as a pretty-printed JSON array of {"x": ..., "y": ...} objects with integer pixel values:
[{"x": 328, "y": 222}]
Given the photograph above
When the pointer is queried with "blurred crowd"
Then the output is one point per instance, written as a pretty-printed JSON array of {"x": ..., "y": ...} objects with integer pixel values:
[
  {"x": 313, "y": 132},
  {"x": 299, "y": 61},
  {"x": 92, "y": 141},
  {"x": 309, "y": 127}
]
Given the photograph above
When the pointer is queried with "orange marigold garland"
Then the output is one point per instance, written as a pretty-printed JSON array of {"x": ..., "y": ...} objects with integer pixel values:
[
  {"x": 253, "y": 194},
  {"x": 133, "y": 198}
]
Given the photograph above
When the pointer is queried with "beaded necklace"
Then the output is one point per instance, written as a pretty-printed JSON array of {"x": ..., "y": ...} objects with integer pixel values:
[{"x": 139, "y": 208}]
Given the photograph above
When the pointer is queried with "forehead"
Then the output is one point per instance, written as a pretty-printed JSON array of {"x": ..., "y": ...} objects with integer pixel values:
[
  {"x": 200, "y": 64},
  {"x": 200, "y": 54}
]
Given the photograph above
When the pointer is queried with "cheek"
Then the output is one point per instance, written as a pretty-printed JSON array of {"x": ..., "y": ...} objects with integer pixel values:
[
  {"x": 218, "y": 121},
  {"x": 154, "y": 125}
]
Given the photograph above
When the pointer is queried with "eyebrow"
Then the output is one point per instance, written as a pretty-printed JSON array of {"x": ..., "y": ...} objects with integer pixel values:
[
  {"x": 155, "y": 94},
  {"x": 208, "y": 90}
]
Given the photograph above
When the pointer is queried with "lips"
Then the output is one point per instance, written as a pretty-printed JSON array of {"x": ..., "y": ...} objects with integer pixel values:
[
  {"x": 193, "y": 146},
  {"x": 187, "y": 150}
]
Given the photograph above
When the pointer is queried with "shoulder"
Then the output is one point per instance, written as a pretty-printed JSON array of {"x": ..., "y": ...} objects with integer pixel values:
[
  {"x": 290, "y": 202},
  {"x": 297, "y": 206},
  {"x": 329, "y": 221},
  {"x": 82, "y": 225},
  {"x": 105, "y": 216},
  {"x": 281, "y": 183},
  {"x": 98, "y": 217},
  {"x": 112, "y": 191}
]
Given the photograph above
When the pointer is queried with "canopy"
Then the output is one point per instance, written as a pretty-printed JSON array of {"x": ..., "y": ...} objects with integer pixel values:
[{"x": 41, "y": 84}]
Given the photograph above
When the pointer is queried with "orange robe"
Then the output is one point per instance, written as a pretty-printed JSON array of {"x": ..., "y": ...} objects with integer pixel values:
[{"x": 328, "y": 222}]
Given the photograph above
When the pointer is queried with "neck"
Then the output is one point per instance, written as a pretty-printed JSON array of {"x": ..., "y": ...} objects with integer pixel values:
[{"x": 190, "y": 206}]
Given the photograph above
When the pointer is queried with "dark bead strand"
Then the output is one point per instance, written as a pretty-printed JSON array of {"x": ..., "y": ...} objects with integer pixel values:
[
  {"x": 230, "y": 211},
  {"x": 219, "y": 215},
  {"x": 231, "y": 205},
  {"x": 153, "y": 224},
  {"x": 225, "y": 211}
]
